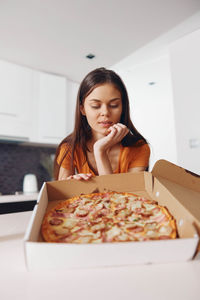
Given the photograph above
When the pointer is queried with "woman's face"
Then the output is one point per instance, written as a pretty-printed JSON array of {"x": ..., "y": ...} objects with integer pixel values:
[{"x": 102, "y": 108}]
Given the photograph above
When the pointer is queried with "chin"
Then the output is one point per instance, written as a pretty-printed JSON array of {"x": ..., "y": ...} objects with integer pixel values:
[{"x": 102, "y": 132}]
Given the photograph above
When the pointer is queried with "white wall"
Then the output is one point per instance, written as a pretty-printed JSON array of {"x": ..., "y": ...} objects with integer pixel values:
[
  {"x": 152, "y": 106},
  {"x": 185, "y": 70},
  {"x": 177, "y": 94}
]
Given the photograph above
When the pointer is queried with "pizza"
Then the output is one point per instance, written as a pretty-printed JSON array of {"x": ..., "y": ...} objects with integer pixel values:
[{"x": 108, "y": 217}]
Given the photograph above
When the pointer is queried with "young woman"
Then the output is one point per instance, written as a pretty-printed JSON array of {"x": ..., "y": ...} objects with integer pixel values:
[{"x": 104, "y": 140}]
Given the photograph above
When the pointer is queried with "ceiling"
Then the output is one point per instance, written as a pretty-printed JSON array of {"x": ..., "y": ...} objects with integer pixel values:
[{"x": 56, "y": 35}]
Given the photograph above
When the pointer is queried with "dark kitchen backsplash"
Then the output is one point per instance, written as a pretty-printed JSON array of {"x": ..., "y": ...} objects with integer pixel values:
[{"x": 16, "y": 160}]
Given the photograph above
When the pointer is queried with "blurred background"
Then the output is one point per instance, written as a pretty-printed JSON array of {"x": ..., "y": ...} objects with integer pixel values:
[{"x": 47, "y": 47}]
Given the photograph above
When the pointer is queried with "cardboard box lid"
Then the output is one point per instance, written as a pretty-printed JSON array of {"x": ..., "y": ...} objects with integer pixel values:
[{"x": 183, "y": 184}]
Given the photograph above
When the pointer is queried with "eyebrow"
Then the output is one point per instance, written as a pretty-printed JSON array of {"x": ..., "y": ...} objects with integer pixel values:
[{"x": 97, "y": 100}]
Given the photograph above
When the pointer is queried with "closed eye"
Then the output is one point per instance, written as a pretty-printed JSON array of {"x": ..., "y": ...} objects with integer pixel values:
[
  {"x": 95, "y": 107},
  {"x": 111, "y": 106},
  {"x": 114, "y": 105}
]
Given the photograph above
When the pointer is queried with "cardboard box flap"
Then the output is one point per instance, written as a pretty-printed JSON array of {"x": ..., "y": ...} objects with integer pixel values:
[
  {"x": 59, "y": 190},
  {"x": 183, "y": 184},
  {"x": 168, "y": 170}
]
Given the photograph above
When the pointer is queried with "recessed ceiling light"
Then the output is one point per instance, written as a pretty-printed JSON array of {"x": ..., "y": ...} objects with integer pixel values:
[
  {"x": 152, "y": 83},
  {"x": 90, "y": 56}
]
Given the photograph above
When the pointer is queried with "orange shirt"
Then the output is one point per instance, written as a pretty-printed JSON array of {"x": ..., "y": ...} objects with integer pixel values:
[{"x": 129, "y": 157}]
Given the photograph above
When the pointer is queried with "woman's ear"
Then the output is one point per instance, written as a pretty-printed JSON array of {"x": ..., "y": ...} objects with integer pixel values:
[{"x": 82, "y": 109}]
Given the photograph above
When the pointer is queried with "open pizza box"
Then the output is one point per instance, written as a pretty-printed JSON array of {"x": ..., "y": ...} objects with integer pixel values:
[{"x": 170, "y": 185}]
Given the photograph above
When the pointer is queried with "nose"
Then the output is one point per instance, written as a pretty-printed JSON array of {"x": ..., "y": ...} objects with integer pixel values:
[{"x": 104, "y": 110}]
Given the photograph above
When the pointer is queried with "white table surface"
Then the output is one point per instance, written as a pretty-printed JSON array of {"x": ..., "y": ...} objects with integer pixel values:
[{"x": 161, "y": 281}]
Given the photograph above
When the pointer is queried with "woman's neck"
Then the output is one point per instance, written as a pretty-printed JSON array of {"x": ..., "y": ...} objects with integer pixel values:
[{"x": 95, "y": 137}]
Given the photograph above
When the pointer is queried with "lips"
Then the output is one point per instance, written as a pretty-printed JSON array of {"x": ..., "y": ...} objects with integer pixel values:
[{"x": 105, "y": 123}]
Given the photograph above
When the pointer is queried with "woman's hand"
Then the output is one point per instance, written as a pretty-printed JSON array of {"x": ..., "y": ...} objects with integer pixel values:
[
  {"x": 80, "y": 176},
  {"x": 65, "y": 174},
  {"x": 115, "y": 134}
]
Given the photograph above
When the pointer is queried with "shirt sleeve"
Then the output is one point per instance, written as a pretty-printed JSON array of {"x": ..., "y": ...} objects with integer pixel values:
[
  {"x": 64, "y": 156},
  {"x": 140, "y": 156}
]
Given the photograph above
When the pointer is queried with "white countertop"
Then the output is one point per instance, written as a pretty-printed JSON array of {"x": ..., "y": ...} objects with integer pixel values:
[
  {"x": 161, "y": 281},
  {"x": 18, "y": 198}
]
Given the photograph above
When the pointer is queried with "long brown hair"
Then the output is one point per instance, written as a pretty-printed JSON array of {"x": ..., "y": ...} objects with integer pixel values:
[{"x": 82, "y": 131}]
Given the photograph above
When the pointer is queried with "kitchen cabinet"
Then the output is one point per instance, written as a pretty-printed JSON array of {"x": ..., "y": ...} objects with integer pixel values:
[
  {"x": 33, "y": 105},
  {"x": 72, "y": 91},
  {"x": 49, "y": 108},
  {"x": 15, "y": 100}
]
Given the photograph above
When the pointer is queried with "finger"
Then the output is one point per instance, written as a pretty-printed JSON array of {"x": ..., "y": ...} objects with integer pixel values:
[
  {"x": 77, "y": 177},
  {"x": 82, "y": 176},
  {"x": 125, "y": 131},
  {"x": 108, "y": 131},
  {"x": 122, "y": 131},
  {"x": 121, "y": 126},
  {"x": 85, "y": 176},
  {"x": 124, "y": 128},
  {"x": 112, "y": 132}
]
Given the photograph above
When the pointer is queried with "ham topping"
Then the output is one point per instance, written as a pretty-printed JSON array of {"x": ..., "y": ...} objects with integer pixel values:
[
  {"x": 58, "y": 214},
  {"x": 156, "y": 210},
  {"x": 101, "y": 213},
  {"x": 160, "y": 218},
  {"x": 138, "y": 210},
  {"x": 55, "y": 221},
  {"x": 146, "y": 214},
  {"x": 81, "y": 213},
  {"x": 97, "y": 227},
  {"x": 133, "y": 228}
]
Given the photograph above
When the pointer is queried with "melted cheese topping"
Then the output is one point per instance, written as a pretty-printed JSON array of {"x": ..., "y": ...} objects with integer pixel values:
[
  {"x": 114, "y": 231},
  {"x": 148, "y": 206},
  {"x": 122, "y": 218},
  {"x": 165, "y": 230},
  {"x": 136, "y": 204},
  {"x": 70, "y": 223}
]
